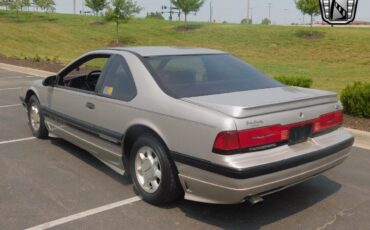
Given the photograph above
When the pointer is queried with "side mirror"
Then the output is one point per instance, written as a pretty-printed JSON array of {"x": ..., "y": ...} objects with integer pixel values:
[{"x": 50, "y": 81}]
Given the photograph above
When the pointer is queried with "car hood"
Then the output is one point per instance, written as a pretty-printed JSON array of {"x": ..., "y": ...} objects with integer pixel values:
[{"x": 263, "y": 101}]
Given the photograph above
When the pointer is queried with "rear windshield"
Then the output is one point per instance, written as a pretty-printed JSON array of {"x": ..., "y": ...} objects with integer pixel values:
[{"x": 200, "y": 75}]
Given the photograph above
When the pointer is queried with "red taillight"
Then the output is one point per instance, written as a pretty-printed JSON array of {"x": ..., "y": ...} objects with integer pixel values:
[
  {"x": 227, "y": 141},
  {"x": 263, "y": 136},
  {"x": 327, "y": 121},
  {"x": 271, "y": 136},
  {"x": 231, "y": 142}
]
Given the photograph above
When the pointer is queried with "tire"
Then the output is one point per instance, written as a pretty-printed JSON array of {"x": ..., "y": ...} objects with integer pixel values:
[
  {"x": 148, "y": 155},
  {"x": 36, "y": 119}
]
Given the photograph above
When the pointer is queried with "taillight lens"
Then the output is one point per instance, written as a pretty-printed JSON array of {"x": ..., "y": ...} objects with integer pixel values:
[
  {"x": 250, "y": 140},
  {"x": 271, "y": 136},
  {"x": 227, "y": 141},
  {"x": 328, "y": 121}
]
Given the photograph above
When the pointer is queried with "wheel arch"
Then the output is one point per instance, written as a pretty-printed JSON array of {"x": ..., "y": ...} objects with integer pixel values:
[
  {"x": 132, "y": 134},
  {"x": 29, "y": 94}
]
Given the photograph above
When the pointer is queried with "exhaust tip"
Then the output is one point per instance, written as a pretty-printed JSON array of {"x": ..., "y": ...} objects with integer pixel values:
[{"x": 255, "y": 199}]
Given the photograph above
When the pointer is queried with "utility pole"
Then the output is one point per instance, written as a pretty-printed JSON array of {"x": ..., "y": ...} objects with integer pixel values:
[
  {"x": 269, "y": 6},
  {"x": 83, "y": 7},
  {"x": 210, "y": 12},
  {"x": 251, "y": 15},
  {"x": 248, "y": 8},
  {"x": 74, "y": 6}
]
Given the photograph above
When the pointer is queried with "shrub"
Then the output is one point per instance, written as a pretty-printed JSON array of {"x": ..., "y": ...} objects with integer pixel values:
[
  {"x": 304, "y": 82},
  {"x": 36, "y": 58},
  {"x": 356, "y": 99},
  {"x": 266, "y": 21},
  {"x": 155, "y": 15}
]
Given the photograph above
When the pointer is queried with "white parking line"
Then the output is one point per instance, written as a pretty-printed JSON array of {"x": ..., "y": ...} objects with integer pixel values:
[
  {"x": 17, "y": 140},
  {"x": 15, "y": 88},
  {"x": 12, "y": 77},
  {"x": 85, "y": 214},
  {"x": 8, "y": 106}
]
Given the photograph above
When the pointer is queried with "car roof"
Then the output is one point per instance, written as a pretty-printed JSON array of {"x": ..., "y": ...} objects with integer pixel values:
[{"x": 150, "y": 51}]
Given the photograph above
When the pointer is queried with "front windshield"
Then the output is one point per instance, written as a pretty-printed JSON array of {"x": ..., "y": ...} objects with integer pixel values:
[{"x": 201, "y": 75}]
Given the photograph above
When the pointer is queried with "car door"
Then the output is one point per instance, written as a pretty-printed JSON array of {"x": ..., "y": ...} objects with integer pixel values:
[{"x": 71, "y": 112}]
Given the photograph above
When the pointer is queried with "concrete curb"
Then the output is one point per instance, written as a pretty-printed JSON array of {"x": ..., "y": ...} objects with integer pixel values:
[
  {"x": 362, "y": 138},
  {"x": 26, "y": 70}
]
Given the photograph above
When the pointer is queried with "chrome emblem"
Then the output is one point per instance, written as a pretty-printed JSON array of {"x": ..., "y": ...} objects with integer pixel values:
[{"x": 338, "y": 12}]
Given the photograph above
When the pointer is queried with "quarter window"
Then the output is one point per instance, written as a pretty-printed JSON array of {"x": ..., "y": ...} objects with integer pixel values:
[{"x": 118, "y": 81}]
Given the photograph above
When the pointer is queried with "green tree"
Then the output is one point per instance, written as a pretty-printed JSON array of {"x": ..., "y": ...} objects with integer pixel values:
[
  {"x": 17, "y": 5},
  {"x": 45, "y": 5},
  {"x": 25, "y": 3},
  {"x": 96, "y": 5},
  {"x": 246, "y": 21},
  {"x": 4, "y": 3},
  {"x": 188, "y": 6},
  {"x": 266, "y": 21},
  {"x": 310, "y": 7},
  {"x": 121, "y": 11}
]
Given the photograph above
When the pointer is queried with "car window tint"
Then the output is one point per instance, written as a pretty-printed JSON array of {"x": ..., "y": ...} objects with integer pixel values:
[
  {"x": 185, "y": 69},
  {"x": 118, "y": 82},
  {"x": 200, "y": 75}
]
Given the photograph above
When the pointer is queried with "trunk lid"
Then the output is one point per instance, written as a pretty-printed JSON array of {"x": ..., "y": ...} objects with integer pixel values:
[{"x": 263, "y": 101}]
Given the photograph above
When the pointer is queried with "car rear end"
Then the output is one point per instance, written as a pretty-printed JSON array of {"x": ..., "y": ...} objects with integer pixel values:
[
  {"x": 277, "y": 143},
  {"x": 283, "y": 135}
]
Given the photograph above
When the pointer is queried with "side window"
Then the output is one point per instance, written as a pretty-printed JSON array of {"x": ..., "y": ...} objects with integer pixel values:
[
  {"x": 95, "y": 64},
  {"x": 85, "y": 73},
  {"x": 118, "y": 81}
]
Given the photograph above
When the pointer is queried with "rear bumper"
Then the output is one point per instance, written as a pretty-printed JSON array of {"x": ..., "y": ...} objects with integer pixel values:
[{"x": 210, "y": 183}]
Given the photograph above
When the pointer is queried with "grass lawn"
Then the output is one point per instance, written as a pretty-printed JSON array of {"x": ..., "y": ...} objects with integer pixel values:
[{"x": 338, "y": 57}]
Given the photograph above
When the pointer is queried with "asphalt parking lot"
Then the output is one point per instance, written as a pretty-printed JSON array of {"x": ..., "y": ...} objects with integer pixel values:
[{"x": 53, "y": 183}]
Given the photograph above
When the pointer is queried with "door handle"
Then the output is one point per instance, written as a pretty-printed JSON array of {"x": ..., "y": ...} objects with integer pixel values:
[{"x": 90, "y": 105}]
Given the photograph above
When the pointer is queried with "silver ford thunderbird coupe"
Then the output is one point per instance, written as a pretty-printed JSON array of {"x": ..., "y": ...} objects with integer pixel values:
[{"x": 190, "y": 122}]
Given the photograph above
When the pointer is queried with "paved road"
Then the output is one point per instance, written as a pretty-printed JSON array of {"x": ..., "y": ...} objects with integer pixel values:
[{"x": 45, "y": 180}]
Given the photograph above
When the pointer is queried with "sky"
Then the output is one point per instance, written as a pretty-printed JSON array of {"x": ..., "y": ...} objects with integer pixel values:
[{"x": 282, "y": 11}]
